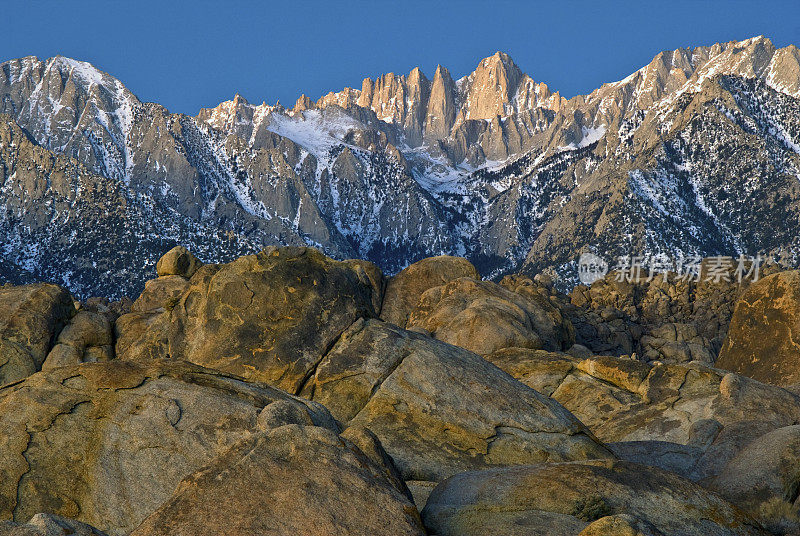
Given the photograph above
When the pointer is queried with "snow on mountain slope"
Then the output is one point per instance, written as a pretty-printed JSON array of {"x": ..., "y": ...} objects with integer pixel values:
[{"x": 494, "y": 166}]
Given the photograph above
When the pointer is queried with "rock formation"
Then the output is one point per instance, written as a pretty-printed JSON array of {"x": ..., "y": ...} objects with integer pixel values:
[
  {"x": 770, "y": 308},
  {"x": 287, "y": 392},
  {"x": 556, "y": 499}
]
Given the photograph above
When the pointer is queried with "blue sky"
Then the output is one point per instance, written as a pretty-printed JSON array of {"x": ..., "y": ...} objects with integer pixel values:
[{"x": 188, "y": 55}]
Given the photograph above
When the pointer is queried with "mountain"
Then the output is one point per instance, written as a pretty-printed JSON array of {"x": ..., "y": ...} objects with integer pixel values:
[{"x": 696, "y": 153}]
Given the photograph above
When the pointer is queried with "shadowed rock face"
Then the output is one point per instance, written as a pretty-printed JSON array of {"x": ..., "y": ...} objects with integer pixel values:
[
  {"x": 31, "y": 317},
  {"x": 87, "y": 338},
  {"x": 559, "y": 499},
  {"x": 107, "y": 443},
  {"x": 267, "y": 317},
  {"x": 764, "y": 338},
  {"x": 291, "y": 480},
  {"x": 763, "y": 479},
  {"x": 404, "y": 289},
  {"x": 439, "y": 409}
]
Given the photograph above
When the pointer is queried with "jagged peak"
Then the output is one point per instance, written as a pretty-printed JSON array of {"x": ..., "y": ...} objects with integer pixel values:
[
  {"x": 499, "y": 57},
  {"x": 84, "y": 70},
  {"x": 753, "y": 40},
  {"x": 441, "y": 72},
  {"x": 239, "y": 100},
  {"x": 697, "y": 57},
  {"x": 416, "y": 76},
  {"x": 303, "y": 103}
]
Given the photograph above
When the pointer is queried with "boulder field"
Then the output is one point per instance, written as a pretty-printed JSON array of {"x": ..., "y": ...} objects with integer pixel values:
[{"x": 288, "y": 393}]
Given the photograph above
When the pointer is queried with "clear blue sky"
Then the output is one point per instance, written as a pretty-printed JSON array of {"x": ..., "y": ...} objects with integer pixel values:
[{"x": 188, "y": 55}]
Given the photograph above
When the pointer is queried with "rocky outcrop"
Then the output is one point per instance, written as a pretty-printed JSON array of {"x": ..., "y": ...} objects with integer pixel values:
[
  {"x": 483, "y": 317},
  {"x": 178, "y": 261},
  {"x": 404, "y": 289},
  {"x": 620, "y": 525},
  {"x": 31, "y": 317},
  {"x": 87, "y": 338},
  {"x": 438, "y": 409},
  {"x": 291, "y": 480},
  {"x": 763, "y": 479},
  {"x": 366, "y": 422},
  {"x": 106, "y": 443},
  {"x": 676, "y": 320},
  {"x": 762, "y": 340},
  {"x": 692, "y": 418},
  {"x": 267, "y": 317},
  {"x": 559, "y": 499}
]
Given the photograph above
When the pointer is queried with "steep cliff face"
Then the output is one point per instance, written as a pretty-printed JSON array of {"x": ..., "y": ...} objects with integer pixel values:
[{"x": 697, "y": 152}]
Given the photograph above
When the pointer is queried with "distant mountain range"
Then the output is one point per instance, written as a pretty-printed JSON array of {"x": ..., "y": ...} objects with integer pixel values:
[{"x": 696, "y": 153}]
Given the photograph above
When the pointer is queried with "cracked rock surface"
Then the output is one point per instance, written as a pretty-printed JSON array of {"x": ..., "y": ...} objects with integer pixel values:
[
  {"x": 106, "y": 443},
  {"x": 291, "y": 480},
  {"x": 267, "y": 317},
  {"x": 439, "y": 409},
  {"x": 564, "y": 498}
]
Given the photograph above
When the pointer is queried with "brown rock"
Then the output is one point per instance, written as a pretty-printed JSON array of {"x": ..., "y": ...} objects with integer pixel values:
[
  {"x": 620, "y": 525},
  {"x": 370, "y": 445},
  {"x": 31, "y": 317},
  {"x": 439, "y": 409},
  {"x": 404, "y": 290},
  {"x": 106, "y": 443},
  {"x": 160, "y": 293},
  {"x": 281, "y": 413},
  {"x": 764, "y": 337},
  {"x": 141, "y": 336},
  {"x": 87, "y": 338},
  {"x": 483, "y": 317},
  {"x": 564, "y": 498},
  {"x": 267, "y": 317},
  {"x": 178, "y": 261},
  {"x": 668, "y": 407},
  {"x": 292, "y": 480}
]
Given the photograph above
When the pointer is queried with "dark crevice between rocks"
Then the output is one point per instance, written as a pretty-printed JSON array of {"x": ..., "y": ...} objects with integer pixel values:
[
  {"x": 313, "y": 369},
  {"x": 19, "y": 497}
]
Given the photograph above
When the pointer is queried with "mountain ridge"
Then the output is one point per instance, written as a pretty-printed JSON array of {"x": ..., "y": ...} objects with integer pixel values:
[{"x": 492, "y": 166}]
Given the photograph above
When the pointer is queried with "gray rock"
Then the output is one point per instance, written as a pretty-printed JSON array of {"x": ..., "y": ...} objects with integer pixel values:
[{"x": 48, "y": 525}]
